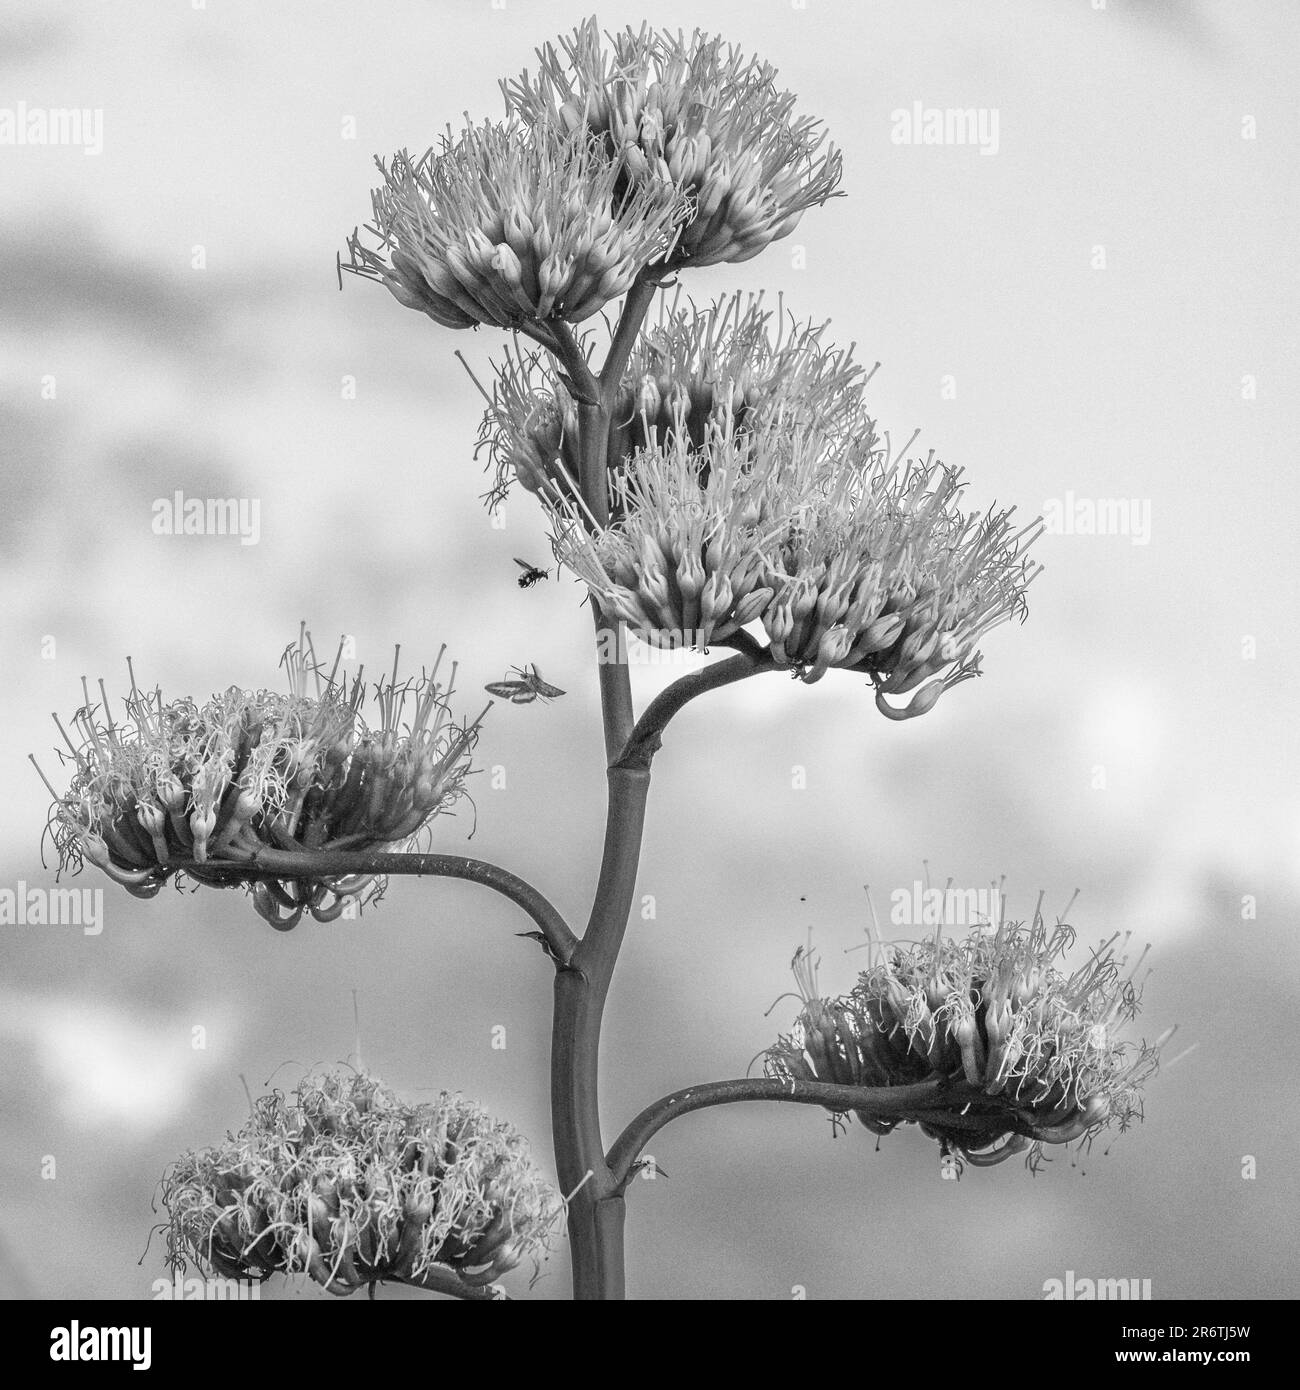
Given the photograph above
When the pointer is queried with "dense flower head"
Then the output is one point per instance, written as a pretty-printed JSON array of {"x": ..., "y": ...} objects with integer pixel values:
[
  {"x": 505, "y": 225},
  {"x": 1028, "y": 1055},
  {"x": 849, "y": 560},
  {"x": 208, "y": 789},
  {"x": 881, "y": 571},
  {"x": 697, "y": 113},
  {"x": 345, "y": 1183},
  {"x": 683, "y": 565},
  {"x": 735, "y": 363}
]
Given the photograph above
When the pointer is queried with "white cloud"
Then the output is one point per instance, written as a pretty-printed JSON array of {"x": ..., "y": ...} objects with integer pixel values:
[{"x": 106, "y": 1066}]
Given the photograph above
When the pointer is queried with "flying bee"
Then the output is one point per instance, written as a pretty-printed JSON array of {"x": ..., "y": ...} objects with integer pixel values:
[
  {"x": 529, "y": 687},
  {"x": 531, "y": 574}
]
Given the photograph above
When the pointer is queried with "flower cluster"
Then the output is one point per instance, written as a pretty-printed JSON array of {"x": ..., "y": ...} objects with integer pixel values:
[
  {"x": 219, "y": 790},
  {"x": 509, "y": 226},
  {"x": 849, "y": 561},
  {"x": 1022, "y": 1054},
  {"x": 347, "y": 1184},
  {"x": 735, "y": 363},
  {"x": 697, "y": 114}
]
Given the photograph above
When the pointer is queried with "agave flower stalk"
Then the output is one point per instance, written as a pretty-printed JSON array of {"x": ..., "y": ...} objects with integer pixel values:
[
  {"x": 697, "y": 114},
  {"x": 346, "y": 1184},
  {"x": 686, "y": 477},
  {"x": 712, "y": 477}
]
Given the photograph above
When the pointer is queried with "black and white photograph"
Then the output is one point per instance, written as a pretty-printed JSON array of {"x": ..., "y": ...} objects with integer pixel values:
[{"x": 651, "y": 655}]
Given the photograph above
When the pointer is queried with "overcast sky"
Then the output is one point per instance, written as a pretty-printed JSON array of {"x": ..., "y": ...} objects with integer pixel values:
[{"x": 1101, "y": 309}]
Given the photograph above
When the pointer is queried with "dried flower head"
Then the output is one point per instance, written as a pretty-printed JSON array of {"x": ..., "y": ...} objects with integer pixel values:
[
  {"x": 698, "y": 114},
  {"x": 508, "y": 226},
  {"x": 1022, "y": 1053},
  {"x": 219, "y": 789},
  {"x": 349, "y": 1185},
  {"x": 735, "y": 363},
  {"x": 849, "y": 561}
]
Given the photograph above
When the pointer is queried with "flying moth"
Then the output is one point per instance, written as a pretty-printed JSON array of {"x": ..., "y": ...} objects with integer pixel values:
[{"x": 529, "y": 687}]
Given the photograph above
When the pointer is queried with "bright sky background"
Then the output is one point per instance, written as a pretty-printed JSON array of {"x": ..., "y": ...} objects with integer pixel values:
[{"x": 1120, "y": 128}]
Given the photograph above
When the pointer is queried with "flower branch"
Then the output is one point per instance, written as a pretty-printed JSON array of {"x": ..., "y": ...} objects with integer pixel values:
[
  {"x": 635, "y": 306},
  {"x": 567, "y": 350},
  {"x": 321, "y": 865},
  {"x": 647, "y": 736},
  {"x": 937, "y": 1094},
  {"x": 540, "y": 333}
]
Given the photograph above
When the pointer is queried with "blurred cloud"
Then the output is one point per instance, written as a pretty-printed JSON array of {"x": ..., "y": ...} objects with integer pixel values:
[
  {"x": 106, "y": 1068},
  {"x": 1185, "y": 21},
  {"x": 29, "y": 38},
  {"x": 66, "y": 277}
]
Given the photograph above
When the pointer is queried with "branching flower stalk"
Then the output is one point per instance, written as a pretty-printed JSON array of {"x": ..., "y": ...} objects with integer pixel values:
[{"x": 714, "y": 480}]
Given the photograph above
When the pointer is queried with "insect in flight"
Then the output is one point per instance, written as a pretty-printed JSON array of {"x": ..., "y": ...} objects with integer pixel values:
[
  {"x": 529, "y": 687},
  {"x": 531, "y": 574}
]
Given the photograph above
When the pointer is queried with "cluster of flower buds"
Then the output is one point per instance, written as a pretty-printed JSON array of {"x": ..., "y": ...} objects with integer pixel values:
[
  {"x": 345, "y": 1183},
  {"x": 683, "y": 564},
  {"x": 849, "y": 561},
  {"x": 210, "y": 789},
  {"x": 734, "y": 365},
  {"x": 506, "y": 225},
  {"x": 881, "y": 572},
  {"x": 1022, "y": 1054},
  {"x": 697, "y": 114}
]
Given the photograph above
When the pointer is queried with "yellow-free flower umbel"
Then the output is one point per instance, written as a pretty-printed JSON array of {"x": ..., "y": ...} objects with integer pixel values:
[
  {"x": 209, "y": 789},
  {"x": 697, "y": 114},
  {"x": 880, "y": 570},
  {"x": 735, "y": 363},
  {"x": 849, "y": 561},
  {"x": 1023, "y": 1054},
  {"x": 510, "y": 226},
  {"x": 347, "y": 1184}
]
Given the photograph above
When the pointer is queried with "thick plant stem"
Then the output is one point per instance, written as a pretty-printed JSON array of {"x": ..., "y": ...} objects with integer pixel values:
[
  {"x": 638, "y": 301},
  {"x": 596, "y": 1209},
  {"x": 596, "y": 1203},
  {"x": 611, "y": 655}
]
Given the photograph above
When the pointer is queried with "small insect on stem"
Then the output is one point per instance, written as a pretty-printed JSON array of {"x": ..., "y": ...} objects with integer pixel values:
[
  {"x": 529, "y": 687},
  {"x": 531, "y": 574}
]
